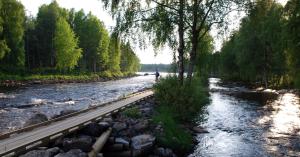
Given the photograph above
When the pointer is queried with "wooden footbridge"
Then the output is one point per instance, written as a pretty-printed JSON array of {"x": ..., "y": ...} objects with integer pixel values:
[{"x": 20, "y": 141}]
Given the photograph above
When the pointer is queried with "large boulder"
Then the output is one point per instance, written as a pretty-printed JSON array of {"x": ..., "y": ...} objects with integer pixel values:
[
  {"x": 164, "y": 152},
  {"x": 82, "y": 142},
  {"x": 142, "y": 125},
  {"x": 36, "y": 119},
  {"x": 142, "y": 141},
  {"x": 121, "y": 141},
  {"x": 199, "y": 130},
  {"x": 42, "y": 153},
  {"x": 72, "y": 153},
  {"x": 93, "y": 129},
  {"x": 119, "y": 126}
]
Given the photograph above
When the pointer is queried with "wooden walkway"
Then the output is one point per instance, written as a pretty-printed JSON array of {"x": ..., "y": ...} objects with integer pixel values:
[{"x": 25, "y": 141}]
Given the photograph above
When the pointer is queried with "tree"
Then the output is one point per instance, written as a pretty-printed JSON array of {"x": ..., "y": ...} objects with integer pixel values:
[
  {"x": 292, "y": 12},
  {"x": 114, "y": 54},
  {"x": 65, "y": 45},
  {"x": 47, "y": 17},
  {"x": 11, "y": 34},
  {"x": 159, "y": 20},
  {"x": 3, "y": 46},
  {"x": 204, "y": 15},
  {"x": 93, "y": 39},
  {"x": 31, "y": 46},
  {"x": 130, "y": 63},
  {"x": 256, "y": 51}
]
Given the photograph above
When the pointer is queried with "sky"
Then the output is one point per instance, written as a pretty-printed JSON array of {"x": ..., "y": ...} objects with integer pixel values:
[{"x": 96, "y": 7}]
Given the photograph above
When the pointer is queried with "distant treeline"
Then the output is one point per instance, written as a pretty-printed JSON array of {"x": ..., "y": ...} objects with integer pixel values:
[
  {"x": 153, "y": 67},
  {"x": 60, "y": 40}
]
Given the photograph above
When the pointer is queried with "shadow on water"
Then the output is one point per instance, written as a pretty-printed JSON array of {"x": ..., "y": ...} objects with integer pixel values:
[{"x": 244, "y": 123}]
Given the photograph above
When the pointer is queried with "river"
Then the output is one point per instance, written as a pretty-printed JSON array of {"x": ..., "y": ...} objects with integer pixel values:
[
  {"x": 241, "y": 125},
  {"x": 18, "y": 105}
]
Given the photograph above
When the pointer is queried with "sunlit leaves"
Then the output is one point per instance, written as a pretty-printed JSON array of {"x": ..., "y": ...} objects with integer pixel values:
[{"x": 65, "y": 45}]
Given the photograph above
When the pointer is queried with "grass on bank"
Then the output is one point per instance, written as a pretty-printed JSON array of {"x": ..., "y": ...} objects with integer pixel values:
[
  {"x": 177, "y": 106},
  {"x": 133, "y": 112},
  {"x": 174, "y": 136},
  {"x": 61, "y": 76}
]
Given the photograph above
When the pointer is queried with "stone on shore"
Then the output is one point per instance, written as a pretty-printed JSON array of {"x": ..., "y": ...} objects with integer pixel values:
[
  {"x": 42, "y": 153},
  {"x": 82, "y": 142},
  {"x": 142, "y": 141},
  {"x": 119, "y": 126},
  {"x": 93, "y": 129},
  {"x": 72, "y": 153}
]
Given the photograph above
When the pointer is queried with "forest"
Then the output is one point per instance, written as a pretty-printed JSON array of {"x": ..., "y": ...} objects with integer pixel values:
[
  {"x": 266, "y": 48},
  {"x": 60, "y": 41}
]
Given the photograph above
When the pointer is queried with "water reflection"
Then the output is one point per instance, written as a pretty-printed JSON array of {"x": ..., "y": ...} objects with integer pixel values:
[
  {"x": 284, "y": 125},
  {"x": 243, "y": 125}
]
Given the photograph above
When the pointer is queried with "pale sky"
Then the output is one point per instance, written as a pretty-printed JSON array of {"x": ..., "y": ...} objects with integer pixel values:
[{"x": 95, "y": 6}]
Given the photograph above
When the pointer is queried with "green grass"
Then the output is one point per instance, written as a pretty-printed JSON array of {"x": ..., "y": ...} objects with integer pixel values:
[
  {"x": 173, "y": 136},
  {"x": 178, "y": 105},
  {"x": 133, "y": 112},
  {"x": 57, "y": 76},
  {"x": 186, "y": 101}
]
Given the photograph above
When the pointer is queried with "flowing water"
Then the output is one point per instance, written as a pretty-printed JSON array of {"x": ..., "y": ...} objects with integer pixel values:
[
  {"x": 242, "y": 123},
  {"x": 18, "y": 105}
]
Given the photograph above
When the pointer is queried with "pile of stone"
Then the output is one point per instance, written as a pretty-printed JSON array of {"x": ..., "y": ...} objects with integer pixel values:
[{"x": 130, "y": 137}]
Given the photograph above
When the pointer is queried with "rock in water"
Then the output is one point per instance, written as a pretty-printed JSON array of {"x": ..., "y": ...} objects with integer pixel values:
[
  {"x": 72, "y": 153},
  {"x": 142, "y": 141},
  {"x": 83, "y": 143},
  {"x": 199, "y": 130},
  {"x": 36, "y": 119},
  {"x": 42, "y": 153}
]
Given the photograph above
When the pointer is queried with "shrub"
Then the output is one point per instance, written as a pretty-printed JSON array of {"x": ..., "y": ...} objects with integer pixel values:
[
  {"x": 173, "y": 135},
  {"x": 185, "y": 101},
  {"x": 133, "y": 112}
]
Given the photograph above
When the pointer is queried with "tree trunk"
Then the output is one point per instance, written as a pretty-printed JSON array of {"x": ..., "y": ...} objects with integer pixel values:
[
  {"x": 181, "y": 43},
  {"x": 195, "y": 36}
]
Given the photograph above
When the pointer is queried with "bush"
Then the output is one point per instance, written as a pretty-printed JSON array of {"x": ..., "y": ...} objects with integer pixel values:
[
  {"x": 133, "y": 112},
  {"x": 173, "y": 136},
  {"x": 185, "y": 101}
]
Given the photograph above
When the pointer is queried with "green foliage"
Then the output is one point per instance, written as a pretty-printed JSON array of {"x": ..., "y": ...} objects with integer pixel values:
[
  {"x": 204, "y": 55},
  {"x": 65, "y": 45},
  {"x": 93, "y": 39},
  {"x": 186, "y": 101},
  {"x": 256, "y": 53},
  {"x": 12, "y": 16},
  {"x": 47, "y": 18},
  {"x": 114, "y": 54},
  {"x": 130, "y": 63},
  {"x": 292, "y": 29},
  {"x": 173, "y": 136},
  {"x": 58, "y": 41},
  {"x": 3, "y": 46},
  {"x": 133, "y": 112}
]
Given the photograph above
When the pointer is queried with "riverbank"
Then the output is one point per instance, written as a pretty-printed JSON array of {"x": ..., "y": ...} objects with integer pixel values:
[
  {"x": 133, "y": 132},
  {"x": 19, "y": 80}
]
